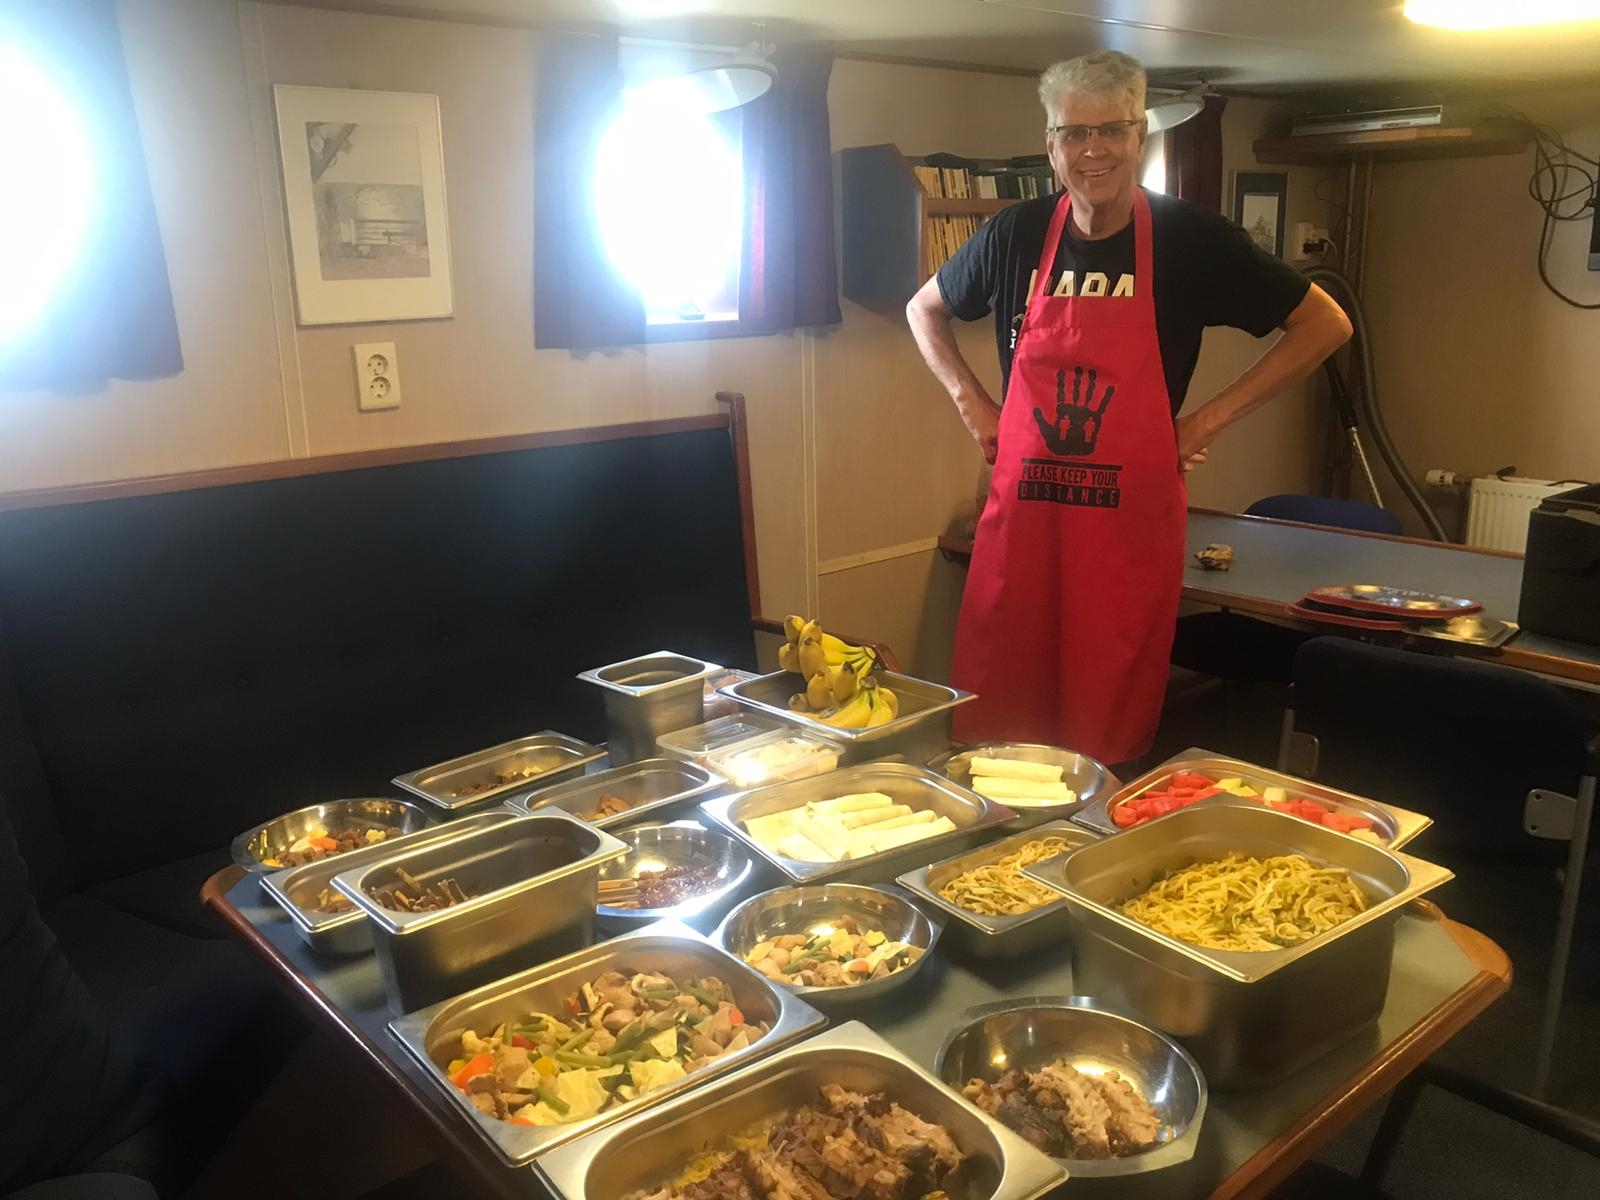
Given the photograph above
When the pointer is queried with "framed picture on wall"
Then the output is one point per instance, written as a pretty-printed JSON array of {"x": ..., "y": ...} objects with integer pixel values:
[
  {"x": 1260, "y": 199},
  {"x": 363, "y": 179}
]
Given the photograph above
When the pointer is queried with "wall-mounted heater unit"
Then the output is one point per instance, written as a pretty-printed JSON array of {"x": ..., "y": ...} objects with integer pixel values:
[{"x": 1498, "y": 509}]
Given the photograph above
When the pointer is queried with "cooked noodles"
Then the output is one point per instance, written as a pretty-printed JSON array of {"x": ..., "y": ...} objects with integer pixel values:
[
  {"x": 999, "y": 889},
  {"x": 1242, "y": 903}
]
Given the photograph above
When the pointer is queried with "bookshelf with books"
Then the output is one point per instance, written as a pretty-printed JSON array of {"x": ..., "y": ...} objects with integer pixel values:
[{"x": 904, "y": 217}]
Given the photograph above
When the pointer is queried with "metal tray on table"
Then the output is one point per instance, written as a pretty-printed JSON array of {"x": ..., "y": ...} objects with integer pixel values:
[
  {"x": 296, "y": 888},
  {"x": 431, "y": 1036},
  {"x": 984, "y": 936},
  {"x": 653, "y": 788},
  {"x": 921, "y": 730},
  {"x": 1247, "y": 1017},
  {"x": 480, "y": 777},
  {"x": 916, "y": 787},
  {"x": 646, "y": 1151},
  {"x": 1396, "y": 826}
]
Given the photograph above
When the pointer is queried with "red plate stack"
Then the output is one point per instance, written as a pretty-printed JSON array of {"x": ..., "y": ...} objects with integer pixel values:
[{"x": 1376, "y": 608}]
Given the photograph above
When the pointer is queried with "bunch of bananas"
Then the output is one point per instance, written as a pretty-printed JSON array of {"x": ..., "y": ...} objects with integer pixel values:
[{"x": 840, "y": 689}]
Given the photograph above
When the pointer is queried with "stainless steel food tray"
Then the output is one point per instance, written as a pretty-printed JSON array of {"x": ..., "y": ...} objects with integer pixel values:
[
  {"x": 916, "y": 787},
  {"x": 791, "y": 910},
  {"x": 1397, "y": 826},
  {"x": 921, "y": 730},
  {"x": 282, "y": 831},
  {"x": 654, "y": 788},
  {"x": 1028, "y": 1033},
  {"x": 533, "y": 883},
  {"x": 442, "y": 783},
  {"x": 985, "y": 937},
  {"x": 430, "y": 1036},
  {"x": 1248, "y": 1018},
  {"x": 348, "y": 932},
  {"x": 646, "y": 1150},
  {"x": 1085, "y": 776},
  {"x": 682, "y": 843}
]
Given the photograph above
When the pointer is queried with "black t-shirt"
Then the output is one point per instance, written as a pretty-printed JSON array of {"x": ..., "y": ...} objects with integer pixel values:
[{"x": 1207, "y": 272}]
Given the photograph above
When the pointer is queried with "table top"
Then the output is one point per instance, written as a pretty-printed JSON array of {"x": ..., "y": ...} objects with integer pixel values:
[
  {"x": 1276, "y": 562},
  {"x": 1444, "y": 975}
]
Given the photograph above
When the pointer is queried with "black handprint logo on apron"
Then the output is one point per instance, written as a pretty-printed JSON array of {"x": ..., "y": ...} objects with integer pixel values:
[{"x": 1076, "y": 428}]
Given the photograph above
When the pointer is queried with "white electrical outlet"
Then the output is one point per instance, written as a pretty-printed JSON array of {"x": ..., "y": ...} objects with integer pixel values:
[
  {"x": 377, "y": 376},
  {"x": 1303, "y": 233}
]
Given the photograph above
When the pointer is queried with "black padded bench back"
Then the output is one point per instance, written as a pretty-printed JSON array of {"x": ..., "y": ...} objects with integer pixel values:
[{"x": 191, "y": 662}]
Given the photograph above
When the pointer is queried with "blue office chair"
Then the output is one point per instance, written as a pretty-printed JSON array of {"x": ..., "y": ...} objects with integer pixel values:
[
  {"x": 1504, "y": 761},
  {"x": 1327, "y": 510},
  {"x": 1244, "y": 650}
]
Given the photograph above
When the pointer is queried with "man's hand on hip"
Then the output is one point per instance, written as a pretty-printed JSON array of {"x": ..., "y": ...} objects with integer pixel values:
[
  {"x": 982, "y": 419},
  {"x": 1194, "y": 441}
]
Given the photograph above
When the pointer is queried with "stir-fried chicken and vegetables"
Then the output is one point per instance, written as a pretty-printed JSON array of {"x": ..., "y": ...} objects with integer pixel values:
[
  {"x": 836, "y": 955},
  {"x": 1069, "y": 1113},
  {"x": 848, "y": 1146},
  {"x": 615, "y": 1039}
]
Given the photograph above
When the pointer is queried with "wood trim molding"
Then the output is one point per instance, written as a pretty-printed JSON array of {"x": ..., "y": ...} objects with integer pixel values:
[
  {"x": 358, "y": 461},
  {"x": 739, "y": 430}
]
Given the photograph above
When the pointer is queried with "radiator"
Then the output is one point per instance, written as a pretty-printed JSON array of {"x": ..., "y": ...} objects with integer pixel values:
[{"x": 1497, "y": 510}]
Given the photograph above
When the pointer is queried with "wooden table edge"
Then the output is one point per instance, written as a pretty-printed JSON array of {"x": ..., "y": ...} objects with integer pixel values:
[
  {"x": 1256, "y": 1177},
  {"x": 469, "y": 1155},
  {"x": 1268, "y": 1167}
]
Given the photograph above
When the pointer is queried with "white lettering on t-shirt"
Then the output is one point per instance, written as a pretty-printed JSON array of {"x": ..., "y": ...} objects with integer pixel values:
[{"x": 1095, "y": 283}]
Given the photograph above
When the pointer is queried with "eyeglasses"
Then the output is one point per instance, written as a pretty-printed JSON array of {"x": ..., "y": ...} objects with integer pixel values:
[{"x": 1077, "y": 135}]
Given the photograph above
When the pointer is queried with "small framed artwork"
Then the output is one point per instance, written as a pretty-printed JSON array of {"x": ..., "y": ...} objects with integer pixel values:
[
  {"x": 1259, "y": 202},
  {"x": 363, "y": 177}
]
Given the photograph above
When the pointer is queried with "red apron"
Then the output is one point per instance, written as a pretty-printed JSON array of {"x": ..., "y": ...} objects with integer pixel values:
[{"x": 1067, "y": 622}]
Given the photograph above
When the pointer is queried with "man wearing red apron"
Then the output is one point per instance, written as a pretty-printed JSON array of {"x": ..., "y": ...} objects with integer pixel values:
[{"x": 1101, "y": 295}]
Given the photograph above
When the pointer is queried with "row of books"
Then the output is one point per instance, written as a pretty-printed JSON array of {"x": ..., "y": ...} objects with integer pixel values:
[
  {"x": 946, "y": 235},
  {"x": 1007, "y": 183}
]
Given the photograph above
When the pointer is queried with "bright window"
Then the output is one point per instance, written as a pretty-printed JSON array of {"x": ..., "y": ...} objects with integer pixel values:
[
  {"x": 669, "y": 195},
  {"x": 1153, "y": 173},
  {"x": 46, "y": 203}
]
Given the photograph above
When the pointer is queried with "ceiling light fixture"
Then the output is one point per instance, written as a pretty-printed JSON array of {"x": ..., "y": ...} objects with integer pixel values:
[
  {"x": 1499, "y": 14},
  {"x": 1164, "y": 110}
]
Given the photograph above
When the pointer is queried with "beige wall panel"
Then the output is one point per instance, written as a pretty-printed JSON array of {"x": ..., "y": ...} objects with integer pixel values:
[
  {"x": 1479, "y": 367},
  {"x": 184, "y": 60},
  {"x": 924, "y": 110},
  {"x": 910, "y": 603}
]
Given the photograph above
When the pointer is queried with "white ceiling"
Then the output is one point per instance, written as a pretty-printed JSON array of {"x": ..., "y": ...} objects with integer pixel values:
[{"x": 1259, "y": 45}]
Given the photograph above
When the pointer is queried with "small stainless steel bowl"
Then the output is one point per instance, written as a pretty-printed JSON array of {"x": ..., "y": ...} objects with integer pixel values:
[
  {"x": 1030, "y": 1033},
  {"x": 805, "y": 909},
  {"x": 278, "y": 834},
  {"x": 1087, "y": 777},
  {"x": 677, "y": 844}
]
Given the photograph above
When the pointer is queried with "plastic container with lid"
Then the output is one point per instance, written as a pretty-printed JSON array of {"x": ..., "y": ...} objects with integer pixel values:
[
  {"x": 775, "y": 758},
  {"x": 698, "y": 742}
]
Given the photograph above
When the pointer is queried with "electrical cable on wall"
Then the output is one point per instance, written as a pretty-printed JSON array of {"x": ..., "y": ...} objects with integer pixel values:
[{"x": 1565, "y": 184}]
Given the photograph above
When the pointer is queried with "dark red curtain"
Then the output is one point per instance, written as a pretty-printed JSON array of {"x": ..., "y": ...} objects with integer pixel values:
[
  {"x": 1194, "y": 156},
  {"x": 787, "y": 276},
  {"x": 580, "y": 302},
  {"x": 111, "y": 317}
]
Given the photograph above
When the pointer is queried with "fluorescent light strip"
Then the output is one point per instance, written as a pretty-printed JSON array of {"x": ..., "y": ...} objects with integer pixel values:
[{"x": 1499, "y": 14}]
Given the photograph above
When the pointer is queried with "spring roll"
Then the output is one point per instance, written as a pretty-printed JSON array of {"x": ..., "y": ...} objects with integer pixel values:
[
  {"x": 829, "y": 834},
  {"x": 921, "y": 816},
  {"x": 772, "y": 828},
  {"x": 874, "y": 816},
  {"x": 1023, "y": 789},
  {"x": 797, "y": 845},
  {"x": 888, "y": 839},
  {"x": 1013, "y": 768},
  {"x": 856, "y": 802}
]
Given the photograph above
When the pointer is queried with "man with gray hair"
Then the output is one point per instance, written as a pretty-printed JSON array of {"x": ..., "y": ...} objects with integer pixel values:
[{"x": 1100, "y": 296}]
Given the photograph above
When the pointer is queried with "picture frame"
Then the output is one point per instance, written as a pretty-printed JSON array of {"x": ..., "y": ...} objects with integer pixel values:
[
  {"x": 364, "y": 196},
  {"x": 1260, "y": 204}
]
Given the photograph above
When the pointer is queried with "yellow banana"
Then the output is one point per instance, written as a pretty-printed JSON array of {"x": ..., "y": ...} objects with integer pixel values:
[
  {"x": 838, "y": 652},
  {"x": 882, "y": 713},
  {"x": 888, "y": 699},
  {"x": 853, "y": 715},
  {"x": 818, "y": 694},
  {"x": 789, "y": 657},
  {"x": 812, "y": 660},
  {"x": 792, "y": 625},
  {"x": 843, "y": 683}
]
